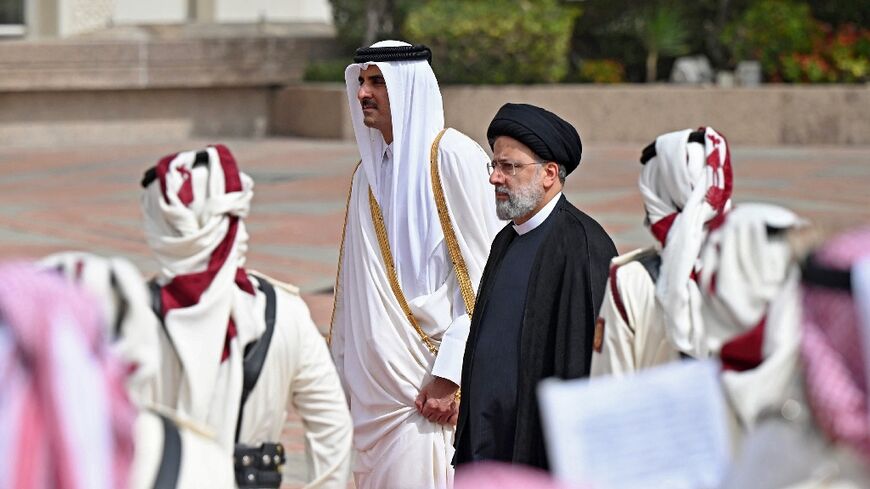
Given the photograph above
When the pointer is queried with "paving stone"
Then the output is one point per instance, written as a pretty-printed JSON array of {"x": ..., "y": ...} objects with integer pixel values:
[{"x": 87, "y": 198}]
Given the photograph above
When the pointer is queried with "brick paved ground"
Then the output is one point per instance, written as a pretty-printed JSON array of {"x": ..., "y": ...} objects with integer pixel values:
[{"x": 54, "y": 199}]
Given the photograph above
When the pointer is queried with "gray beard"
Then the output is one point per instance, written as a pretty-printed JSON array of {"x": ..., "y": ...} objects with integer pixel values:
[{"x": 521, "y": 201}]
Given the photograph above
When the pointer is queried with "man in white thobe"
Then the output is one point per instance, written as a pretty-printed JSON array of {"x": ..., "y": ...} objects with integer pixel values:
[
  {"x": 219, "y": 319},
  {"x": 419, "y": 224},
  {"x": 651, "y": 308}
]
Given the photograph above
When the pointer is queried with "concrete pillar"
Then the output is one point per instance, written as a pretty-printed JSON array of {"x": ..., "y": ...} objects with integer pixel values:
[
  {"x": 42, "y": 18},
  {"x": 202, "y": 11}
]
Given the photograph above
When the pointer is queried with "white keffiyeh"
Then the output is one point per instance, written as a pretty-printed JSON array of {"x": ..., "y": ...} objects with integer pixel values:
[
  {"x": 410, "y": 214},
  {"x": 684, "y": 187},
  {"x": 194, "y": 225},
  {"x": 749, "y": 280}
]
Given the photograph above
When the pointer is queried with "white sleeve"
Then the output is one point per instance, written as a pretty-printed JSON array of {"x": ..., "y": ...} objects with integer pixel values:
[
  {"x": 448, "y": 363},
  {"x": 616, "y": 355},
  {"x": 319, "y": 399}
]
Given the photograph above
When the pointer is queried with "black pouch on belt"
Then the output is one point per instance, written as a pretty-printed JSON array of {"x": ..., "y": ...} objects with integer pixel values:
[{"x": 259, "y": 467}]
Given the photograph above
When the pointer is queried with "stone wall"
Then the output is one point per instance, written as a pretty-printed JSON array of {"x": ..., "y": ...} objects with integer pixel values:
[
  {"x": 172, "y": 89},
  {"x": 157, "y": 61},
  {"x": 769, "y": 115},
  {"x": 132, "y": 116},
  {"x": 152, "y": 83}
]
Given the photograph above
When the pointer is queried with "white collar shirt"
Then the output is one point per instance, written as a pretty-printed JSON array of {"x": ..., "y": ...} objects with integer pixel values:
[{"x": 539, "y": 217}]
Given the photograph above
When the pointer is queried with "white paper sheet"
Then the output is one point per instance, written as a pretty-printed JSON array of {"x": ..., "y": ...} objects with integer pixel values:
[
  {"x": 661, "y": 428},
  {"x": 861, "y": 298}
]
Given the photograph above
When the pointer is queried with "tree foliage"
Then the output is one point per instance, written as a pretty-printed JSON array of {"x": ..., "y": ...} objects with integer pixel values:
[
  {"x": 661, "y": 31},
  {"x": 497, "y": 41},
  {"x": 771, "y": 29},
  {"x": 643, "y": 37}
]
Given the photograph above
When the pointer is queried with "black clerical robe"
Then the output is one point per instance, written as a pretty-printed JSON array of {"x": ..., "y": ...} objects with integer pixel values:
[{"x": 563, "y": 294}]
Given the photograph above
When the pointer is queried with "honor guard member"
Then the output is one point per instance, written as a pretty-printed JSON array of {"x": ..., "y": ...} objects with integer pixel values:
[
  {"x": 239, "y": 349},
  {"x": 651, "y": 309}
]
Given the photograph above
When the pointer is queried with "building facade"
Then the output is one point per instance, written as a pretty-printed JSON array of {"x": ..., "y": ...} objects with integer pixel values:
[{"x": 48, "y": 19}]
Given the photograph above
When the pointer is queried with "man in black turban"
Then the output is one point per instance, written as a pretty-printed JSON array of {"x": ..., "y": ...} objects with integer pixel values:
[{"x": 540, "y": 292}]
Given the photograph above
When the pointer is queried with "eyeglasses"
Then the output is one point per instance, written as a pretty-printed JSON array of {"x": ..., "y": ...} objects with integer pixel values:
[{"x": 508, "y": 167}]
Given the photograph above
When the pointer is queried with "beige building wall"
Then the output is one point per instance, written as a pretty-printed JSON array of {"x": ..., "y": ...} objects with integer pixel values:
[
  {"x": 81, "y": 16},
  {"x": 65, "y": 18},
  {"x": 230, "y": 11},
  {"x": 149, "y": 12}
]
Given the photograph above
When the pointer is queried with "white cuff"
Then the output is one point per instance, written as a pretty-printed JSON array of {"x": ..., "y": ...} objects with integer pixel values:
[{"x": 448, "y": 363}]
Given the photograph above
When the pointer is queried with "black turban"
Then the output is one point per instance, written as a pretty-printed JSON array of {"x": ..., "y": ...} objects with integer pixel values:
[{"x": 546, "y": 134}]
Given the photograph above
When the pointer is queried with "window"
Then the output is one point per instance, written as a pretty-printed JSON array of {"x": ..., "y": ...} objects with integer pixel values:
[{"x": 11, "y": 17}]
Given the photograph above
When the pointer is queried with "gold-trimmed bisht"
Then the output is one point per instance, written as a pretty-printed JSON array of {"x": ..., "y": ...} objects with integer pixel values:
[{"x": 453, "y": 249}]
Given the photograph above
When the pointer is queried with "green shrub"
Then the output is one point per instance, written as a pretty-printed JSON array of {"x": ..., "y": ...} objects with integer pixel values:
[
  {"x": 497, "y": 41},
  {"x": 601, "y": 71},
  {"x": 770, "y": 30},
  {"x": 329, "y": 70}
]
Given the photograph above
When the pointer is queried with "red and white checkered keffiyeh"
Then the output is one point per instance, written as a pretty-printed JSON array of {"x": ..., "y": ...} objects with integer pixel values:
[
  {"x": 686, "y": 189},
  {"x": 194, "y": 223},
  {"x": 65, "y": 419},
  {"x": 833, "y": 351}
]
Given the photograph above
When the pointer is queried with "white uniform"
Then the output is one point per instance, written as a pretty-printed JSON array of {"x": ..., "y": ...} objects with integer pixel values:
[
  {"x": 212, "y": 310},
  {"x": 381, "y": 358},
  {"x": 199, "y": 462},
  {"x": 685, "y": 185},
  {"x": 630, "y": 330},
  {"x": 297, "y": 375}
]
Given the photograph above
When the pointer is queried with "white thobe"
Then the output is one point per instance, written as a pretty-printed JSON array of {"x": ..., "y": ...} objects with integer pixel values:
[
  {"x": 382, "y": 360},
  {"x": 297, "y": 374},
  {"x": 638, "y": 340}
]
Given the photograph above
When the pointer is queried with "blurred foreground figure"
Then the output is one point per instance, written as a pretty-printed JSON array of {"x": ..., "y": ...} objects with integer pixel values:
[
  {"x": 819, "y": 436},
  {"x": 65, "y": 419},
  {"x": 496, "y": 475},
  {"x": 749, "y": 283},
  {"x": 239, "y": 349},
  {"x": 170, "y": 452},
  {"x": 651, "y": 308}
]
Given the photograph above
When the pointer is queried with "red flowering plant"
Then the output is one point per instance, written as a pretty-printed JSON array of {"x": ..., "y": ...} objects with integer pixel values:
[{"x": 841, "y": 55}]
